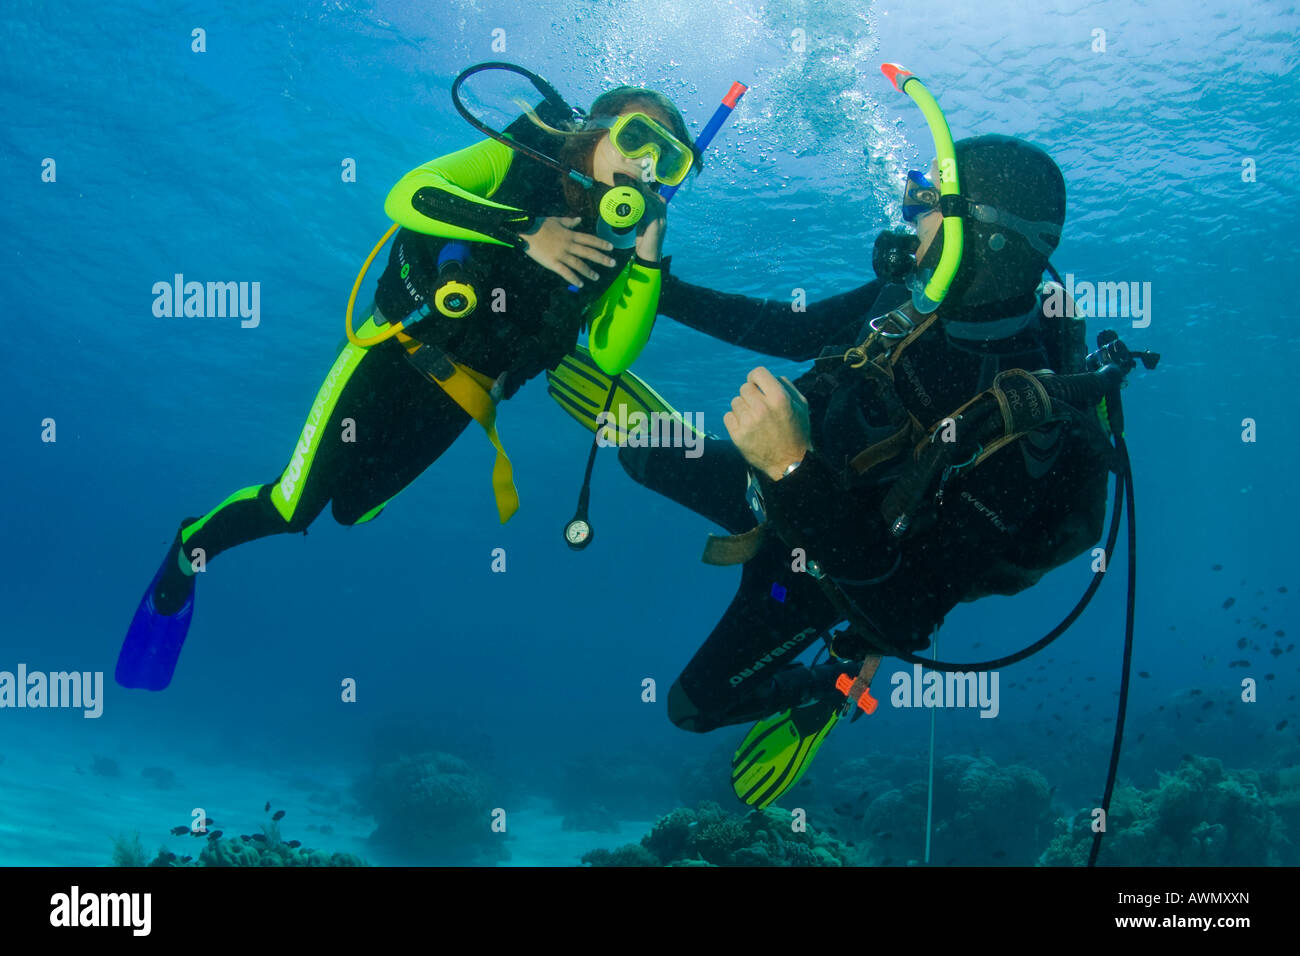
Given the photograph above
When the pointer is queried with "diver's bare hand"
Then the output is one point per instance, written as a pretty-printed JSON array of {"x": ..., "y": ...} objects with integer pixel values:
[
  {"x": 768, "y": 422},
  {"x": 554, "y": 243}
]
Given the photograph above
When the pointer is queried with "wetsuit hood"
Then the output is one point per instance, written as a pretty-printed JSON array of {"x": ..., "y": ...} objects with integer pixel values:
[{"x": 1000, "y": 270}]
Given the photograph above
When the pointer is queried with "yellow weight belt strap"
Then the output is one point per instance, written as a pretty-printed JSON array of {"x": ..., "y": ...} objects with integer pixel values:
[{"x": 472, "y": 391}]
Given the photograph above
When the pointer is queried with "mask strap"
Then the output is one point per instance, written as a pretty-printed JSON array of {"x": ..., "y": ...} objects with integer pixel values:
[{"x": 1031, "y": 231}]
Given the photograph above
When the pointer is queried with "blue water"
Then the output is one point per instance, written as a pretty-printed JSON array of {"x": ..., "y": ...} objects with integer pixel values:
[{"x": 225, "y": 166}]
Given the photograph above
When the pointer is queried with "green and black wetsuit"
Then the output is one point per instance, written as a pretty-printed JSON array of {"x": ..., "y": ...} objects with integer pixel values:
[
  {"x": 399, "y": 422},
  {"x": 1031, "y": 506}
]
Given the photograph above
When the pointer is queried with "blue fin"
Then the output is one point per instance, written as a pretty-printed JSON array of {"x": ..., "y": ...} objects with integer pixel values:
[{"x": 153, "y": 642}]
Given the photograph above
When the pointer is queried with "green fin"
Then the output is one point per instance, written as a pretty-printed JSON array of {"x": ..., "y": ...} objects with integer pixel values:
[
  {"x": 777, "y": 751},
  {"x": 579, "y": 387}
]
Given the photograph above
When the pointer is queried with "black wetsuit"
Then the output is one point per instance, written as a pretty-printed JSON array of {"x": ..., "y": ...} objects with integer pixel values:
[{"x": 1027, "y": 508}]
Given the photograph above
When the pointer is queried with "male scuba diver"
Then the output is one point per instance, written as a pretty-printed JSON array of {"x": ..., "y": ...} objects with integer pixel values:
[
  {"x": 558, "y": 220},
  {"x": 945, "y": 446}
]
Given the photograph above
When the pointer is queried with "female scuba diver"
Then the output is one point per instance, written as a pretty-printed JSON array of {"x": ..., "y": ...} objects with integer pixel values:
[{"x": 557, "y": 220}]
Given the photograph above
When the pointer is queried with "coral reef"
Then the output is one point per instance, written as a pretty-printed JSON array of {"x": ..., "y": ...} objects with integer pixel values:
[
  {"x": 710, "y": 836},
  {"x": 984, "y": 815},
  {"x": 264, "y": 849},
  {"x": 431, "y": 808},
  {"x": 129, "y": 851},
  {"x": 1200, "y": 815}
]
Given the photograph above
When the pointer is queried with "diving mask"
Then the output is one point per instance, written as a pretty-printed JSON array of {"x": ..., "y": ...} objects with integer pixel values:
[
  {"x": 921, "y": 196},
  {"x": 636, "y": 135}
]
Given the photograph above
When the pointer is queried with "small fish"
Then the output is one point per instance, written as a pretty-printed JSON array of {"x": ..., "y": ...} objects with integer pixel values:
[
  {"x": 214, "y": 835},
  {"x": 209, "y": 822},
  {"x": 294, "y": 844},
  {"x": 1241, "y": 644},
  {"x": 267, "y": 808},
  {"x": 180, "y": 831},
  {"x": 186, "y": 859},
  {"x": 1277, "y": 652},
  {"x": 1208, "y": 704},
  {"x": 887, "y": 861},
  {"x": 1141, "y": 737},
  {"x": 1000, "y": 854},
  {"x": 1195, "y": 691},
  {"x": 843, "y": 809},
  {"x": 1281, "y": 590},
  {"x": 1143, "y": 674},
  {"x": 1281, "y": 725},
  {"x": 1092, "y": 678},
  {"x": 1279, "y": 633},
  {"x": 886, "y": 836},
  {"x": 259, "y": 837},
  {"x": 1268, "y": 677},
  {"x": 1217, "y": 567},
  {"x": 278, "y": 815},
  {"x": 1229, "y": 603}
]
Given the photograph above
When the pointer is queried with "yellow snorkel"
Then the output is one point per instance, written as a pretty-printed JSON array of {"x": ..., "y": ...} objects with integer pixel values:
[{"x": 929, "y": 292}]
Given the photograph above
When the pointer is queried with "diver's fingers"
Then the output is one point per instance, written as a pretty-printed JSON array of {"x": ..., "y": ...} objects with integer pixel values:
[
  {"x": 568, "y": 222},
  {"x": 587, "y": 239},
  {"x": 741, "y": 409},
  {"x": 564, "y": 272},
  {"x": 751, "y": 394},
  {"x": 577, "y": 265},
  {"x": 765, "y": 382},
  {"x": 731, "y": 423},
  {"x": 595, "y": 254}
]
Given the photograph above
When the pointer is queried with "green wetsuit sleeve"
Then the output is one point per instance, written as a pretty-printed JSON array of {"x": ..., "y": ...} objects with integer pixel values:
[
  {"x": 621, "y": 319},
  {"x": 450, "y": 196}
]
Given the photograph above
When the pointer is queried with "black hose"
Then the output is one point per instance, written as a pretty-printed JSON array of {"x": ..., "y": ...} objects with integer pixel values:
[{"x": 1127, "y": 478}]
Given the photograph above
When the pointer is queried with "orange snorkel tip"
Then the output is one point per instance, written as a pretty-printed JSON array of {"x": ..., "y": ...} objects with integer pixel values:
[{"x": 896, "y": 74}]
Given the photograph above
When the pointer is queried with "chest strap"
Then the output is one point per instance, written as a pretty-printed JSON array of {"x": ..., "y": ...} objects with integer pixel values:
[{"x": 472, "y": 391}]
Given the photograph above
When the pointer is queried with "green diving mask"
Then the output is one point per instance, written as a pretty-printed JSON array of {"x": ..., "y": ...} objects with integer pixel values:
[{"x": 637, "y": 136}]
